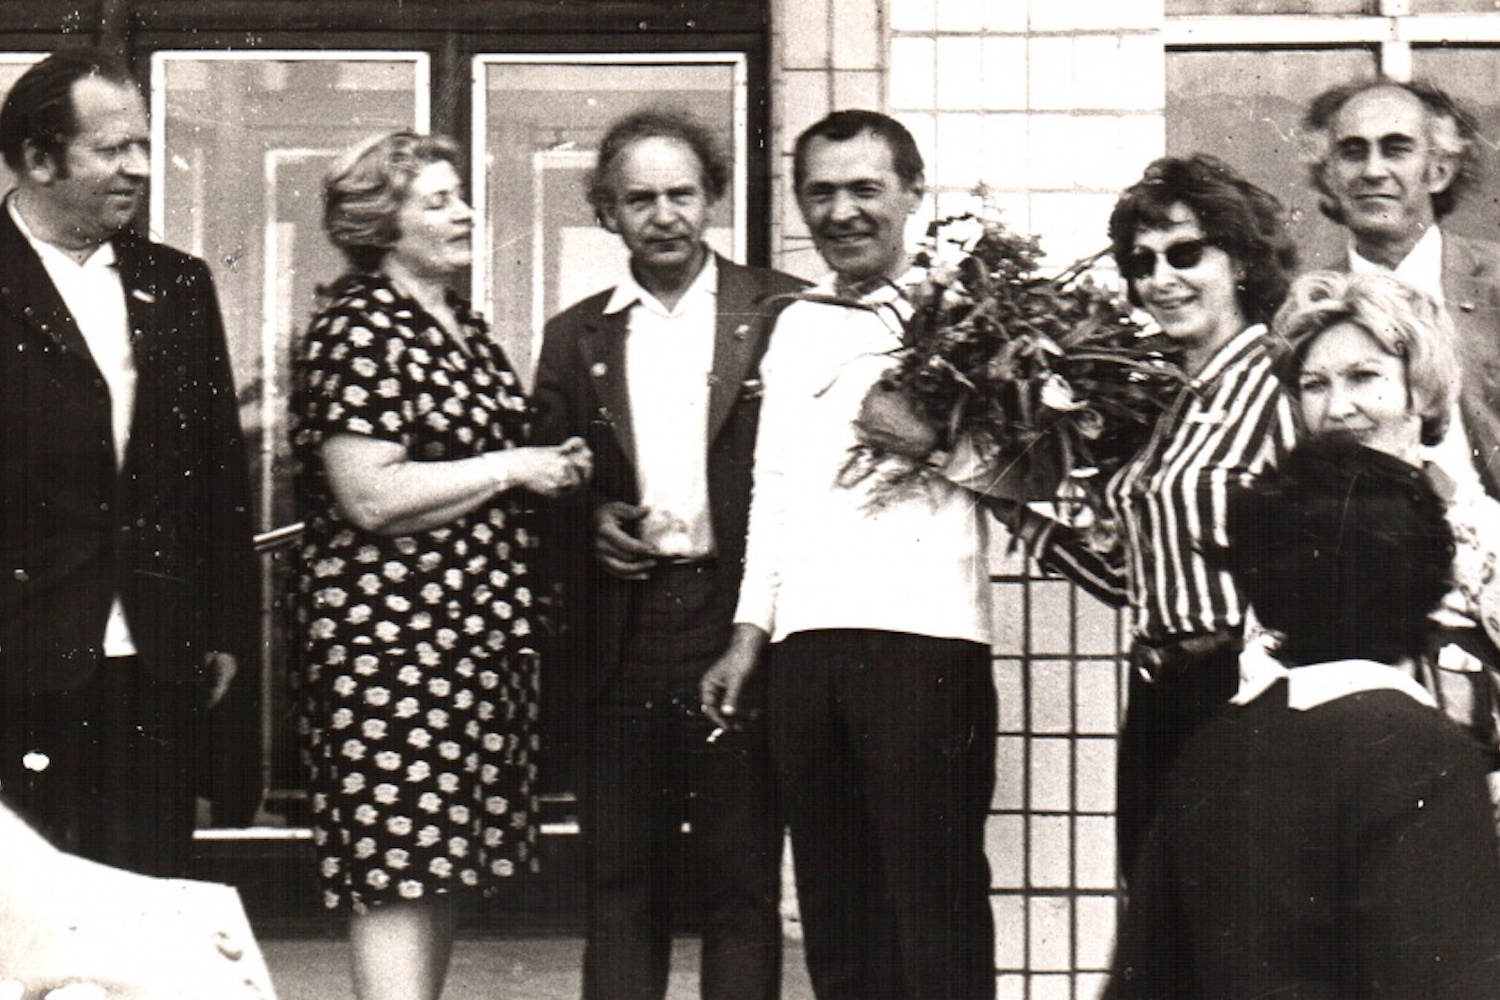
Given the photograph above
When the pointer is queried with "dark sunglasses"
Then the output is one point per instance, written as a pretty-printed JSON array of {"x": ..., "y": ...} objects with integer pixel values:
[{"x": 1141, "y": 262}]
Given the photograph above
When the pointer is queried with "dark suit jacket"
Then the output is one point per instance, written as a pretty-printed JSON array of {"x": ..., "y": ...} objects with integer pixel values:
[
  {"x": 1471, "y": 286},
  {"x": 171, "y": 534},
  {"x": 581, "y": 389}
]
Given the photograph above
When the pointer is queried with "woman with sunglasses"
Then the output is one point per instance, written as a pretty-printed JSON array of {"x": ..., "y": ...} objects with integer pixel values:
[{"x": 1206, "y": 253}]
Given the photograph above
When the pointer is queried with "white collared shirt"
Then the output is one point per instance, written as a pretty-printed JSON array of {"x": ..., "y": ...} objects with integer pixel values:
[
  {"x": 669, "y": 357},
  {"x": 1319, "y": 683},
  {"x": 829, "y": 554},
  {"x": 1421, "y": 268},
  {"x": 95, "y": 295}
]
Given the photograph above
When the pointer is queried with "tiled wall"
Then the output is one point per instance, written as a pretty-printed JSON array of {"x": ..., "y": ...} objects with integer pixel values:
[{"x": 1055, "y": 106}]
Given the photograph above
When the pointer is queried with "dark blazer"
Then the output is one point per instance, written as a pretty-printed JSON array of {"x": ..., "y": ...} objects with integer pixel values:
[
  {"x": 171, "y": 534},
  {"x": 581, "y": 389},
  {"x": 1471, "y": 286}
]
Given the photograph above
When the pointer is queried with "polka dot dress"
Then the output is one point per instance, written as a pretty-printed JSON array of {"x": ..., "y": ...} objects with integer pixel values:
[{"x": 418, "y": 686}]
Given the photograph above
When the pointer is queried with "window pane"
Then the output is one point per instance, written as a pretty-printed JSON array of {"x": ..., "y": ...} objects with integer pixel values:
[
  {"x": 12, "y": 65},
  {"x": 1472, "y": 77},
  {"x": 1245, "y": 107},
  {"x": 1175, "y": 7},
  {"x": 239, "y": 149},
  {"x": 244, "y": 144},
  {"x": 539, "y": 125}
]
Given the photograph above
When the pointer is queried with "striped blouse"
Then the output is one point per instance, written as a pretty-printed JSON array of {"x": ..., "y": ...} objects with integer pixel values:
[{"x": 1230, "y": 424}]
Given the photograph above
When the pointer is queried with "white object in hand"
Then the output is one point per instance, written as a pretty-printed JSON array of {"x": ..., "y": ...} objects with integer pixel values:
[{"x": 666, "y": 533}]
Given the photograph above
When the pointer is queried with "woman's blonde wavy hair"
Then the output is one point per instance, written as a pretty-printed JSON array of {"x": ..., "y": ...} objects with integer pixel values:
[
  {"x": 366, "y": 186},
  {"x": 1406, "y": 323}
]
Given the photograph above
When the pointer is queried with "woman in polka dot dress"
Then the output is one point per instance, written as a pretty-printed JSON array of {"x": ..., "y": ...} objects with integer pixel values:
[{"x": 419, "y": 683}]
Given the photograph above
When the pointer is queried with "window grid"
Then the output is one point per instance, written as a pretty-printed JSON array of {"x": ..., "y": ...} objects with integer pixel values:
[
  {"x": 1051, "y": 838},
  {"x": 1023, "y": 96}
]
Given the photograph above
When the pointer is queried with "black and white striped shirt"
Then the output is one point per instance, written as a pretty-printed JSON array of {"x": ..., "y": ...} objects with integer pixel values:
[{"x": 1225, "y": 428}]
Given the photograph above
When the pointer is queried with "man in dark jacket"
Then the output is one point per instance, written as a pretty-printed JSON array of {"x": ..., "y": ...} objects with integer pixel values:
[
  {"x": 127, "y": 596},
  {"x": 658, "y": 374}
]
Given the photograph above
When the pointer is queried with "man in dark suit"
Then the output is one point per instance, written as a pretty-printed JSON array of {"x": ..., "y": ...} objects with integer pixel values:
[
  {"x": 659, "y": 375},
  {"x": 127, "y": 596}
]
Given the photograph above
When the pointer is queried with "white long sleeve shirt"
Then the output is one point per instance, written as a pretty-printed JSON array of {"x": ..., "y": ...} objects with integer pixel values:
[{"x": 821, "y": 555}]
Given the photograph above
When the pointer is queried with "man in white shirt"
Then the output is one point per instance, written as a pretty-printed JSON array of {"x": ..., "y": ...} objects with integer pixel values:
[
  {"x": 658, "y": 375},
  {"x": 880, "y": 700},
  {"x": 128, "y": 596}
]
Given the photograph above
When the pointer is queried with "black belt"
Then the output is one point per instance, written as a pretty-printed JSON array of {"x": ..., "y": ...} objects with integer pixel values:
[
  {"x": 697, "y": 564},
  {"x": 1160, "y": 660}
]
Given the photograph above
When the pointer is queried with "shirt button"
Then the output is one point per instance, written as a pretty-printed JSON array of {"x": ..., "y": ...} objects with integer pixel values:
[{"x": 22, "y": 576}]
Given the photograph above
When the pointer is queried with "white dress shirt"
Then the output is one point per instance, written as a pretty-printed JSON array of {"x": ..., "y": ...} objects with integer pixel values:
[
  {"x": 669, "y": 356},
  {"x": 95, "y": 296},
  {"x": 822, "y": 554}
]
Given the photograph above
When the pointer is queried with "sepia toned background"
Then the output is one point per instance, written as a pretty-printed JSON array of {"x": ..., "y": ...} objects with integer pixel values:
[{"x": 1053, "y": 105}]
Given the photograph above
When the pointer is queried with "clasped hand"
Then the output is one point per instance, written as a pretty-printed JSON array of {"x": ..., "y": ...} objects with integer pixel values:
[
  {"x": 617, "y": 542},
  {"x": 553, "y": 470},
  {"x": 889, "y": 422}
]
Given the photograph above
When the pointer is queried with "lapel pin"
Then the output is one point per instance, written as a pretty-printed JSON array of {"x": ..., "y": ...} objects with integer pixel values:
[
  {"x": 144, "y": 296},
  {"x": 742, "y": 331},
  {"x": 1467, "y": 306},
  {"x": 599, "y": 369}
]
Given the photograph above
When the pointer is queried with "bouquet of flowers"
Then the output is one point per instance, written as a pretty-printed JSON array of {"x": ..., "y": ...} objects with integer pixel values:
[{"x": 1051, "y": 379}]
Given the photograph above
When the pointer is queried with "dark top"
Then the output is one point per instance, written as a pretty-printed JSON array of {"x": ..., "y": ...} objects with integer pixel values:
[
  {"x": 419, "y": 687},
  {"x": 1339, "y": 852}
]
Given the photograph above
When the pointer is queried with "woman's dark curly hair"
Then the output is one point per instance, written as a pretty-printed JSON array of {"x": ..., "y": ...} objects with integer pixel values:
[
  {"x": 1343, "y": 550},
  {"x": 1243, "y": 220}
]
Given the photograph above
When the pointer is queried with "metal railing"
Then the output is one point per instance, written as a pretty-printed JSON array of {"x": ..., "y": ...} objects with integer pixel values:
[{"x": 278, "y": 538}]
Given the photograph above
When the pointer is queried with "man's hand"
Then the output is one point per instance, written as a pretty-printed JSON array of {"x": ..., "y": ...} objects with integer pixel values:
[
  {"x": 888, "y": 421},
  {"x": 616, "y": 546},
  {"x": 220, "y": 668},
  {"x": 722, "y": 686}
]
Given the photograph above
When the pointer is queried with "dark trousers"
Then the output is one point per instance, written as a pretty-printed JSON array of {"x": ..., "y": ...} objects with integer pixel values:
[
  {"x": 648, "y": 768},
  {"x": 103, "y": 771},
  {"x": 884, "y": 745},
  {"x": 1159, "y": 718}
]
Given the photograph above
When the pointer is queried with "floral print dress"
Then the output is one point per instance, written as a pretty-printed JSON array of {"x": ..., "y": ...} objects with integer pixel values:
[{"x": 418, "y": 683}]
